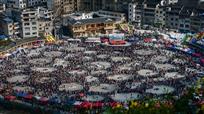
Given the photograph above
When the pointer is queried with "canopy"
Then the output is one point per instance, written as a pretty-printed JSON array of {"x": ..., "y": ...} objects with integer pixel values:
[
  {"x": 97, "y": 104},
  {"x": 147, "y": 40},
  {"x": 117, "y": 42},
  {"x": 10, "y": 97},
  {"x": 29, "y": 96},
  {"x": 86, "y": 104},
  {"x": 55, "y": 100},
  {"x": 21, "y": 94}
]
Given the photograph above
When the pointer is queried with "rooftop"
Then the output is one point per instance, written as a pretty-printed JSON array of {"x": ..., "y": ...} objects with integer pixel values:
[{"x": 90, "y": 21}]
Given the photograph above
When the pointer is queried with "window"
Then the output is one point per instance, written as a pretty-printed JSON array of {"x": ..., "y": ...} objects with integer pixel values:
[
  {"x": 34, "y": 28},
  {"x": 26, "y": 24},
  {"x": 27, "y": 28},
  {"x": 27, "y": 33},
  {"x": 187, "y": 26},
  {"x": 33, "y": 23},
  {"x": 181, "y": 25},
  {"x": 34, "y": 33}
]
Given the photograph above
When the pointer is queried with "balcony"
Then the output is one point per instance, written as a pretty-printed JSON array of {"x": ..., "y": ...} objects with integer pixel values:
[
  {"x": 16, "y": 23},
  {"x": 16, "y": 27},
  {"x": 109, "y": 27},
  {"x": 17, "y": 32},
  {"x": 78, "y": 30}
]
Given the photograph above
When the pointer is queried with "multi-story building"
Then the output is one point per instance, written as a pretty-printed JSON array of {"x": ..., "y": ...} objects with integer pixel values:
[
  {"x": 9, "y": 27},
  {"x": 2, "y": 7},
  {"x": 19, "y": 4},
  {"x": 86, "y": 25},
  {"x": 28, "y": 19},
  {"x": 45, "y": 13},
  {"x": 45, "y": 18},
  {"x": 172, "y": 16},
  {"x": 91, "y": 27},
  {"x": 45, "y": 25},
  {"x": 197, "y": 21},
  {"x": 63, "y": 6},
  {"x": 149, "y": 11},
  {"x": 32, "y": 3},
  {"x": 184, "y": 19},
  {"x": 111, "y": 14},
  {"x": 135, "y": 12}
]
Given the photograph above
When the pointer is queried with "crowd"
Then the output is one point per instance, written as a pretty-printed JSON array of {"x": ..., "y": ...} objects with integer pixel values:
[{"x": 45, "y": 83}]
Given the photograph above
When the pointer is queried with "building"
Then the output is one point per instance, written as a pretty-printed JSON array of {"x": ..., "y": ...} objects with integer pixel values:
[
  {"x": 18, "y": 4},
  {"x": 111, "y": 14},
  {"x": 172, "y": 16},
  {"x": 45, "y": 13},
  {"x": 92, "y": 24},
  {"x": 184, "y": 19},
  {"x": 9, "y": 27},
  {"x": 32, "y": 3},
  {"x": 28, "y": 19},
  {"x": 45, "y": 19},
  {"x": 2, "y": 7},
  {"x": 135, "y": 12},
  {"x": 149, "y": 11},
  {"x": 91, "y": 27},
  {"x": 45, "y": 25},
  {"x": 197, "y": 21},
  {"x": 63, "y": 6}
]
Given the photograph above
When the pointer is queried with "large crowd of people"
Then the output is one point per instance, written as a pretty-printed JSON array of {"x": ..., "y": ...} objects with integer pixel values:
[{"x": 74, "y": 70}]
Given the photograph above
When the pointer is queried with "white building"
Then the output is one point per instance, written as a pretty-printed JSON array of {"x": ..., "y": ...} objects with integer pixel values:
[
  {"x": 28, "y": 19},
  {"x": 2, "y": 7},
  {"x": 19, "y": 4}
]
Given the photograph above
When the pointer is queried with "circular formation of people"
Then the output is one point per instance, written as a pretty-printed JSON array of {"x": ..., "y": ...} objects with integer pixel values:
[{"x": 99, "y": 72}]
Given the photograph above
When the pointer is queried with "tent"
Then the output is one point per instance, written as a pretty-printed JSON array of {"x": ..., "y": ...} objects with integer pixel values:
[
  {"x": 21, "y": 94},
  {"x": 86, "y": 105},
  {"x": 55, "y": 100},
  {"x": 97, "y": 104},
  {"x": 117, "y": 42},
  {"x": 28, "y": 97},
  {"x": 147, "y": 40},
  {"x": 10, "y": 97},
  {"x": 133, "y": 39}
]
